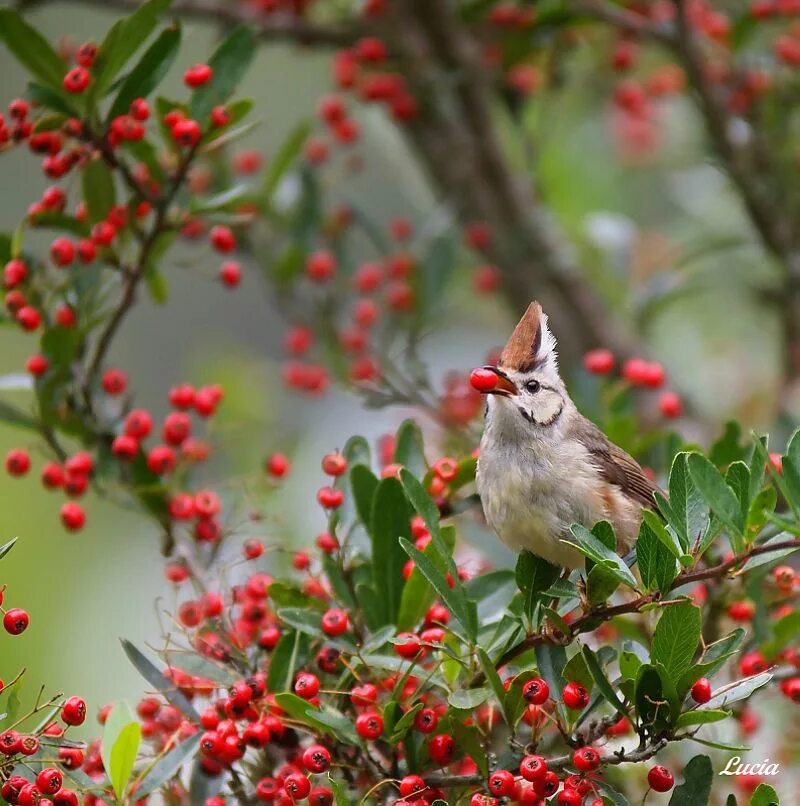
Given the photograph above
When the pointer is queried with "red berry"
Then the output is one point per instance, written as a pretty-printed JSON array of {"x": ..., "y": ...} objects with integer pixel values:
[
  {"x": 408, "y": 646},
  {"x": 586, "y": 759},
  {"x": 334, "y": 464},
  {"x": 161, "y": 460},
  {"x": 320, "y": 266},
  {"x": 316, "y": 758},
  {"x": 115, "y": 382},
  {"x": 125, "y": 447},
  {"x": 483, "y": 380},
  {"x": 334, "y": 622},
  {"x": 37, "y": 365},
  {"x": 330, "y": 497},
  {"x": 412, "y": 785},
  {"x": 369, "y": 725},
  {"x": 277, "y": 465},
  {"x": 138, "y": 424},
  {"x": 85, "y": 54},
  {"x": 18, "y": 462},
  {"x": 15, "y": 621},
  {"x": 14, "y": 272},
  {"x": 426, "y": 720},
  {"x": 670, "y": 405},
  {"x": 660, "y": 779},
  {"x": 701, "y": 690},
  {"x": 753, "y": 663},
  {"x": 49, "y": 780},
  {"x": 220, "y": 116},
  {"x": 77, "y": 80},
  {"x": 442, "y": 749},
  {"x": 186, "y": 132},
  {"x": 222, "y": 238},
  {"x": 575, "y": 696},
  {"x": 198, "y": 75},
  {"x": 52, "y": 476},
  {"x": 62, "y": 252},
  {"x": 599, "y": 361},
  {"x": 297, "y": 786},
  {"x": 177, "y": 428},
  {"x": 743, "y": 610},
  {"x": 306, "y": 685},
  {"x": 533, "y": 768},
  {"x": 536, "y": 691},
  {"x": 570, "y": 797},
  {"x": 501, "y": 783},
  {"x": 547, "y": 785},
  {"x": 230, "y": 273},
  {"x": 72, "y": 516},
  {"x": 28, "y": 318}
]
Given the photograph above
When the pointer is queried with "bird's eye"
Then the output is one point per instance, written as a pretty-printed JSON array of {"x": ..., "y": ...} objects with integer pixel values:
[{"x": 533, "y": 387}]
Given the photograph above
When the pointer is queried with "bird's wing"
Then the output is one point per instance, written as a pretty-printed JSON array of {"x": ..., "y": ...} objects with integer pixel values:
[{"x": 615, "y": 465}]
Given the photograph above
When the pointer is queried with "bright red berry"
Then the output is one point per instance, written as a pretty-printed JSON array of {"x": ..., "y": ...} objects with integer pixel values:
[
  {"x": 186, "y": 132},
  {"x": 334, "y": 622},
  {"x": 599, "y": 361},
  {"x": 306, "y": 685},
  {"x": 198, "y": 75},
  {"x": 501, "y": 783},
  {"x": 483, "y": 380},
  {"x": 442, "y": 749},
  {"x": 277, "y": 465},
  {"x": 49, "y": 780},
  {"x": 77, "y": 80},
  {"x": 533, "y": 768},
  {"x": 586, "y": 759},
  {"x": 369, "y": 725},
  {"x": 230, "y": 273},
  {"x": 316, "y": 758},
  {"x": 536, "y": 691},
  {"x": 334, "y": 464},
  {"x": 408, "y": 645},
  {"x": 575, "y": 696},
  {"x": 297, "y": 786},
  {"x": 320, "y": 266},
  {"x": 701, "y": 690},
  {"x": 222, "y": 238},
  {"x": 670, "y": 405},
  {"x": 18, "y": 462},
  {"x": 660, "y": 779},
  {"x": 15, "y": 621},
  {"x": 72, "y": 516},
  {"x": 114, "y": 381}
]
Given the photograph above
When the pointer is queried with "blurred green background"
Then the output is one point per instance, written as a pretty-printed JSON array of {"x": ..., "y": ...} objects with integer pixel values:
[{"x": 85, "y": 591}]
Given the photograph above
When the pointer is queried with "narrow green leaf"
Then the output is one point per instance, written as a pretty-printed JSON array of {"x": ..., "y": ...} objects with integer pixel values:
[
  {"x": 154, "y": 676},
  {"x": 589, "y": 545},
  {"x": 50, "y": 99},
  {"x": 122, "y": 735},
  {"x": 31, "y": 49},
  {"x": 602, "y": 681},
  {"x": 404, "y": 724},
  {"x": 685, "y": 509},
  {"x": 656, "y": 563},
  {"x": 696, "y": 787},
  {"x": 715, "y": 492},
  {"x": 600, "y": 584},
  {"x": 290, "y": 149},
  {"x": 363, "y": 485},
  {"x": 229, "y": 62},
  {"x": 696, "y": 717},
  {"x": 493, "y": 679},
  {"x": 426, "y": 508},
  {"x": 98, "y": 189},
  {"x": 167, "y": 766},
  {"x": 6, "y": 547},
  {"x": 340, "y": 797},
  {"x": 327, "y": 720},
  {"x": 390, "y": 521},
  {"x": 149, "y": 71},
  {"x": 409, "y": 450},
  {"x": 736, "y": 691},
  {"x": 454, "y": 598},
  {"x": 284, "y": 661},
  {"x": 676, "y": 638},
  {"x": 225, "y": 200},
  {"x": 122, "y": 41},
  {"x": 655, "y": 698},
  {"x": 550, "y": 661},
  {"x": 783, "y": 631},
  {"x": 301, "y": 619},
  {"x": 534, "y": 576}
]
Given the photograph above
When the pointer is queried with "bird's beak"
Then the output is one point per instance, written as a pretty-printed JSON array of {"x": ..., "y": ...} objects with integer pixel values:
[{"x": 505, "y": 386}]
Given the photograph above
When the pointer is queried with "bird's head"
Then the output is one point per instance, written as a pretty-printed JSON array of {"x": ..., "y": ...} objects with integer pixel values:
[{"x": 526, "y": 382}]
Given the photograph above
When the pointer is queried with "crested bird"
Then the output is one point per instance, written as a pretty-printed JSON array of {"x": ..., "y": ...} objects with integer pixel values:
[{"x": 543, "y": 466}]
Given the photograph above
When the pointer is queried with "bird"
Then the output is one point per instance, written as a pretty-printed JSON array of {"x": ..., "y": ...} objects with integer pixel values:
[{"x": 542, "y": 465}]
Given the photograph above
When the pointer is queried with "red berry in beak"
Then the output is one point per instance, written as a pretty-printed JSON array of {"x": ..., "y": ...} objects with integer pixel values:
[{"x": 483, "y": 380}]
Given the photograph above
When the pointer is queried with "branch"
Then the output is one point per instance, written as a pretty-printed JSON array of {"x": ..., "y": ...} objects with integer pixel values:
[
  {"x": 278, "y": 26},
  {"x": 623, "y": 19},
  {"x": 635, "y": 605}
]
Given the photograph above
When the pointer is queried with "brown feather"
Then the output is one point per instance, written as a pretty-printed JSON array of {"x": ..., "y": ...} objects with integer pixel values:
[
  {"x": 615, "y": 465},
  {"x": 520, "y": 351}
]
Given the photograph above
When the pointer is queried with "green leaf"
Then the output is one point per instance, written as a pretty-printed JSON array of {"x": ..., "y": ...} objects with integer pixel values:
[
  {"x": 738, "y": 479},
  {"x": 654, "y": 698},
  {"x": 534, "y": 576},
  {"x": 229, "y": 62},
  {"x": 696, "y": 717},
  {"x": 167, "y": 766},
  {"x": 576, "y": 670},
  {"x": 418, "y": 594},
  {"x": 200, "y": 666},
  {"x": 284, "y": 661},
  {"x": 6, "y": 547},
  {"x": 426, "y": 508},
  {"x": 550, "y": 661},
  {"x": 656, "y": 563},
  {"x": 401, "y": 727},
  {"x": 390, "y": 519},
  {"x": 356, "y": 451},
  {"x": 122, "y": 735},
  {"x": 676, "y": 638},
  {"x": 783, "y": 631},
  {"x": 149, "y": 71},
  {"x": 225, "y": 200},
  {"x": 667, "y": 536},
  {"x": 493, "y": 679},
  {"x": 696, "y": 787},
  {"x": 148, "y": 670},
  {"x": 600, "y": 584},
  {"x": 340, "y": 797},
  {"x": 98, "y": 189},
  {"x": 290, "y": 149},
  {"x": 121, "y": 42},
  {"x": 736, "y": 691},
  {"x": 603, "y": 683},
  {"x": 301, "y": 619},
  {"x": 363, "y": 484},
  {"x": 765, "y": 795},
  {"x": 715, "y": 492},
  {"x": 50, "y": 99},
  {"x": 728, "y": 447},
  {"x": 771, "y": 556},
  {"x": 10, "y": 415},
  {"x": 589, "y": 545},
  {"x": 468, "y": 699},
  {"x": 454, "y": 598},
  {"x": 31, "y": 49},
  {"x": 327, "y": 720},
  {"x": 409, "y": 450}
]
